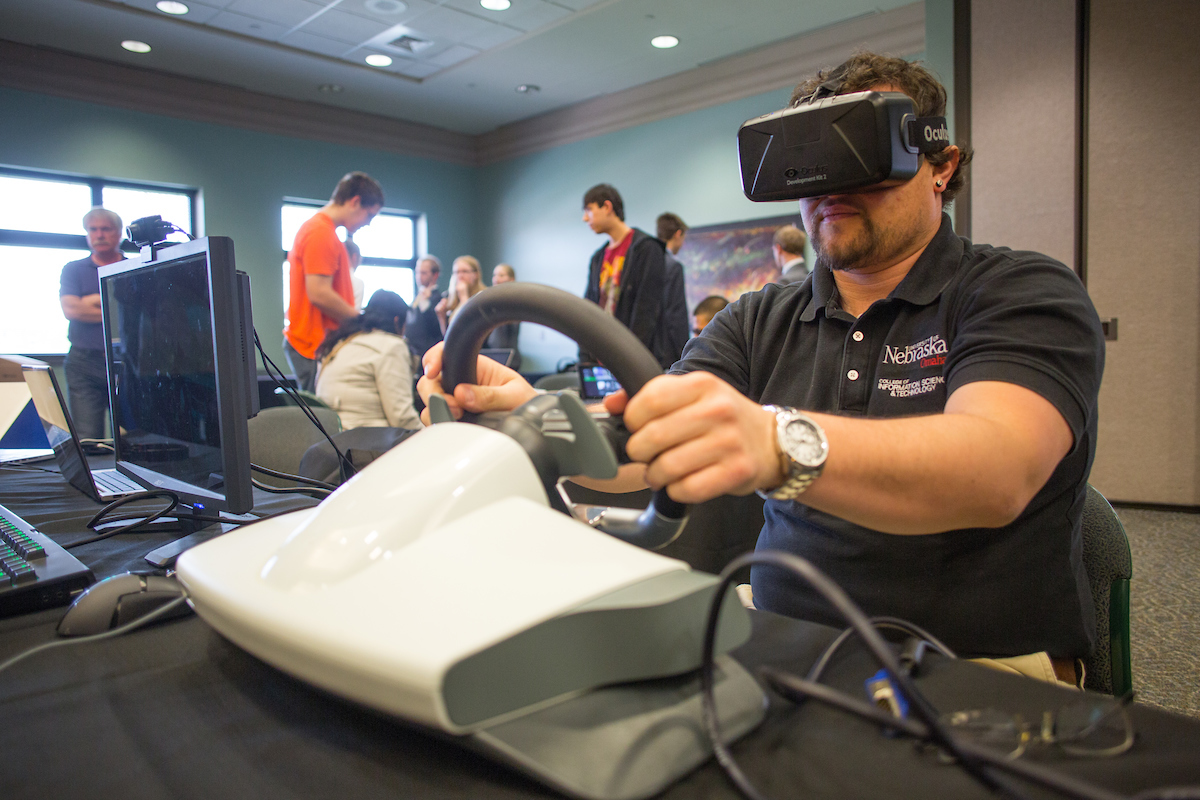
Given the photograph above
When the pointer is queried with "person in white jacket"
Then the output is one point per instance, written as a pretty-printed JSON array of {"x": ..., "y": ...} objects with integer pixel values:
[{"x": 366, "y": 370}]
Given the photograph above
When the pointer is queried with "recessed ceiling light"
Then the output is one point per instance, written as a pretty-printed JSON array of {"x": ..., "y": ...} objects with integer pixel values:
[
  {"x": 135, "y": 46},
  {"x": 379, "y": 60},
  {"x": 386, "y": 6},
  {"x": 664, "y": 42},
  {"x": 329, "y": 87},
  {"x": 495, "y": 5},
  {"x": 171, "y": 7},
  {"x": 528, "y": 88}
]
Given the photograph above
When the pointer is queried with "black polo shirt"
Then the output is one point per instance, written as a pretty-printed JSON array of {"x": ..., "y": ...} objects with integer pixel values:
[{"x": 964, "y": 313}]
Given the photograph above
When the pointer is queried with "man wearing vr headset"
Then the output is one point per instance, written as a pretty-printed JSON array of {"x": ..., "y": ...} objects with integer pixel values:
[{"x": 938, "y": 466}]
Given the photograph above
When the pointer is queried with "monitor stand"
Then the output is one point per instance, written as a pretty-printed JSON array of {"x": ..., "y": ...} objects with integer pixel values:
[{"x": 197, "y": 532}]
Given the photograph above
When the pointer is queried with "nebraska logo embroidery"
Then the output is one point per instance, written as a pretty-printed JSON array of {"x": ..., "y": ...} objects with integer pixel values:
[{"x": 929, "y": 352}]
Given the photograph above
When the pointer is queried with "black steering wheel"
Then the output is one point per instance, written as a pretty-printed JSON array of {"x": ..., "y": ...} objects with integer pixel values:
[{"x": 598, "y": 333}]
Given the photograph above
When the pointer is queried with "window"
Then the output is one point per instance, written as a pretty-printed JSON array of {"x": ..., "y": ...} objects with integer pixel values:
[
  {"x": 41, "y": 229},
  {"x": 388, "y": 246}
]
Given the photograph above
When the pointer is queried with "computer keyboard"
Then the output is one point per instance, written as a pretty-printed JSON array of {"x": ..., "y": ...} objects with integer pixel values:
[
  {"x": 112, "y": 482},
  {"x": 35, "y": 573}
]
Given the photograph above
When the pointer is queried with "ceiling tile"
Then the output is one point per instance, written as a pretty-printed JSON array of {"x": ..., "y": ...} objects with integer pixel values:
[
  {"x": 316, "y": 44},
  {"x": 334, "y": 24},
  {"x": 416, "y": 69},
  {"x": 579, "y": 5},
  {"x": 533, "y": 14},
  {"x": 197, "y": 12},
  {"x": 381, "y": 9},
  {"x": 288, "y": 13},
  {"x": 493, "y": 36},
  {"x": 448, "y": 24},
  {"x": 453, "y": 55},
  {"x": 249, "y": 26}
]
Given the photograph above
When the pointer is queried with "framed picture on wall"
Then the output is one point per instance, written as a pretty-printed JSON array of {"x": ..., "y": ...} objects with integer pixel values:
[{"x": 731, "y": 258}]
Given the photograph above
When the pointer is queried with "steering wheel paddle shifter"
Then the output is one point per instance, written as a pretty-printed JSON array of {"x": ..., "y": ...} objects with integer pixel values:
[{"x": 587, "y": 447}]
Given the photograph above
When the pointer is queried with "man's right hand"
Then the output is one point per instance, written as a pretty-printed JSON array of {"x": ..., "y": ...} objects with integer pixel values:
[
  {"x": 700, "y": 437},
  {"x": 499, "y": 388}
]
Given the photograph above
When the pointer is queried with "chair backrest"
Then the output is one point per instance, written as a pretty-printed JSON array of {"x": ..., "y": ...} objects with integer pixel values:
[
  {"x": 311, "y": 399},
  {"x": 558, "y": 380},
  {"x": 1109, "y": 567},
  {"x": 280, "y": 436}
]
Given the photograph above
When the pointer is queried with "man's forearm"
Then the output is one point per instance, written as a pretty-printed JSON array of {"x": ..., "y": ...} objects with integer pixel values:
[
  {"x": 332, "y": 304},
  {"x": 978, "y": 464},
  {"x": 81, "y": 309},
  {"x": 923, "y": 474}
]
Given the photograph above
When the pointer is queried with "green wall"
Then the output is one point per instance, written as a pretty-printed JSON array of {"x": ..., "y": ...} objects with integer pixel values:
[
  {"x": 525, "y": 211},
  {"x": 686, "y": 164},
  {"x": 243, "y": 177}
]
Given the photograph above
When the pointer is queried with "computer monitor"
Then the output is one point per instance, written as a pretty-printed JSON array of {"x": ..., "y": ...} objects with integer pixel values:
[{"x": 178, "y": 337}]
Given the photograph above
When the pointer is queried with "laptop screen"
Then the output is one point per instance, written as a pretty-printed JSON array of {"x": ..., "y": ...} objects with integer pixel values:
[{"x": 68, "y": 452}]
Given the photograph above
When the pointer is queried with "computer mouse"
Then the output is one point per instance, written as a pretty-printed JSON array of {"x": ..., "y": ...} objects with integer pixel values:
[{"x": 120, "y": 599}]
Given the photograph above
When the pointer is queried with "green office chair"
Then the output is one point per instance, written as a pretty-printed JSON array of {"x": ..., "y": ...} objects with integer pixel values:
[
  {"x": 280, "y": 436},
  {"x": 310, "y": 398},
  {"x": 1109, "y": 567},
  {"x": 557, "y": 381}
]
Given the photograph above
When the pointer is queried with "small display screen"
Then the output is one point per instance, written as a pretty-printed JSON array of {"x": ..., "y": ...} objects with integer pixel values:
[
  {"x": 163, "y": 371},
  {"x": 596, "y": 382}
]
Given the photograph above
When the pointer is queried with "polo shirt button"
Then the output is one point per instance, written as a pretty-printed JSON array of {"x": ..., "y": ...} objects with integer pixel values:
[
  {"x": 852, "y": 374},
  {"x": 857, "y": 336}
]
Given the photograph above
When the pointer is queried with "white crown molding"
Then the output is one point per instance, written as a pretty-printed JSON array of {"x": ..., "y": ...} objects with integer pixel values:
[
  {"x": 60, "y": 74},
  {"x": 898, "y": 32}
]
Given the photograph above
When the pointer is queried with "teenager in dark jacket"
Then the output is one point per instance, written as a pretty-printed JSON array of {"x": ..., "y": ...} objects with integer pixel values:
[{"x": 626, "y": 276}]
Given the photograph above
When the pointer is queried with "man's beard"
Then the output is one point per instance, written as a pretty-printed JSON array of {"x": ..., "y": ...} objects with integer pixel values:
[{"x": 867, "y": 248}]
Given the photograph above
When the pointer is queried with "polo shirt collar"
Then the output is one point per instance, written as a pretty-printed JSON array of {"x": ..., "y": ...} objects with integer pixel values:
[{"x": 921, "y": 286}]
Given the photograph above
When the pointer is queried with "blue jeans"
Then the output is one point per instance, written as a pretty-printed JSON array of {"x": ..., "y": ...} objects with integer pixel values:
[{"x": 87, "y": 391}]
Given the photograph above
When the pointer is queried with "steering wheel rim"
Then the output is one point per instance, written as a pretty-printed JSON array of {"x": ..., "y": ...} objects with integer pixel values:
[
  {"x": 592, "y": 328},
  {"x": 595, "y": 330}
]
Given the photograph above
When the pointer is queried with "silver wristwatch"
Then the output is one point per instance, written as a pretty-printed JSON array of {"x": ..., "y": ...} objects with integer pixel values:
[{"x": 803, "y": 449}]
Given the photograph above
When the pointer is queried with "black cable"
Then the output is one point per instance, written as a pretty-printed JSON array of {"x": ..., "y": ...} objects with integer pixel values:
[
  {"x": 345, "y": 468},
  {"x": 91, "y": 523},
  {"x": 794, "y": 688},
  {"x": 297, "y": 478},
  {"x": 888, "y": 623},
  {"x": 308, "y": 491},
  {"x": 834, "y": 594},
  {"x": 123, "y": 629}
]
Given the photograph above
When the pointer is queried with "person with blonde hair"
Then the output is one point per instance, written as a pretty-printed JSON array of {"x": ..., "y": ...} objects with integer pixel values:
[{"x": 465, "y": 283}]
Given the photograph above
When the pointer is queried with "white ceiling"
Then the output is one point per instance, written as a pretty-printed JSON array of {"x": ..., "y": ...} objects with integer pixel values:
[{"x": 463, "y": 70}]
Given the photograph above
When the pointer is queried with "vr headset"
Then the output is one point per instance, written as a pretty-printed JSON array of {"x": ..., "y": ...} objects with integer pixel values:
[{"x": 830, "y": 144}]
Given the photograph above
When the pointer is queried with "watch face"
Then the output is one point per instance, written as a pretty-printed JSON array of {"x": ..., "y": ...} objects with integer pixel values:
[{"x": 804, "y": 443}]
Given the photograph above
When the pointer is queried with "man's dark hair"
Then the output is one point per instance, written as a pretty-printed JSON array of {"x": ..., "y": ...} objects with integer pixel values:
[
  {"x": 790, "y": 239},
  {"x": 385, "y": 311},
  {"x": 602, "y": 192},
  {"x": 360, "y": 185},
  {"x": 864, "y": 71},
  {"x": 670, "y": 224},
  {"x": 710, "y": 305}
]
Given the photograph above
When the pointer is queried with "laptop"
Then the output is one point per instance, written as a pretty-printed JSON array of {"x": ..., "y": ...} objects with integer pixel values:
[{"x": 102, "y": 485}]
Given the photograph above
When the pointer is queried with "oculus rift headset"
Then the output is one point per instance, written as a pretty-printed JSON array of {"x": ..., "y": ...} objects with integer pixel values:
[{"x": 830, "y": 143}]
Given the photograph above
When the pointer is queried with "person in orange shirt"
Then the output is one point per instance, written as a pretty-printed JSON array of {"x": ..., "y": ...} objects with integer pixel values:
[{"x": 321, "y": 291}]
